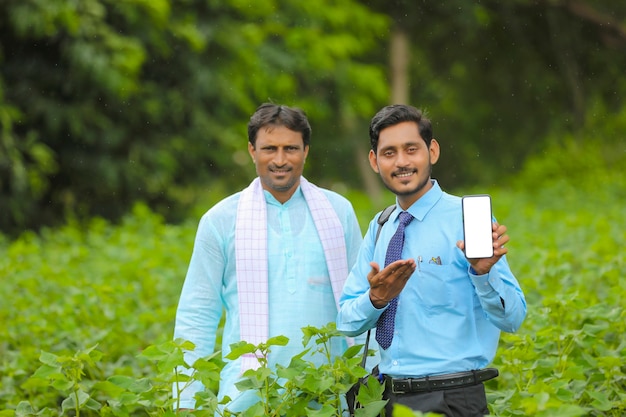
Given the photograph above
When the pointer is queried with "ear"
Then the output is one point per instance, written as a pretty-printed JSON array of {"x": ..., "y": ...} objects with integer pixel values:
[
  {"x": 306, "y": 151},
  {"x": 252, "y": 152},
  {"x": 434, "y": 151},
  {"x": 373, "y": 161}
]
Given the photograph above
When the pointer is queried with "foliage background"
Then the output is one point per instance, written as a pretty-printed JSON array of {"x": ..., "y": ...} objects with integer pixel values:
[{"x": 104, "y": 103}]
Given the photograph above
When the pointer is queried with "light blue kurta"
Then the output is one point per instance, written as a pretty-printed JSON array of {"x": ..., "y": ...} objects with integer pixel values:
[{"x": 300, "y": 293}]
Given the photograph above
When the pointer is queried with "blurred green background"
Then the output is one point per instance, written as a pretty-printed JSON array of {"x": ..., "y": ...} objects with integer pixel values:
[{"x": 105, "y": 103}]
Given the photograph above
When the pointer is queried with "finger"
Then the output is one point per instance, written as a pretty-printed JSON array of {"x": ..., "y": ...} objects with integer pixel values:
[
  {"x": 500, "y": 240},
  {"x": 407, "y": 267},
  {"x": 397, "y": 271},
  {"x": 406, "y": 275},
  {"x": 500, "y": 251},
  {"x": 375, "y": 268},
  {"x": 398, "y": 274},
  {"x": 501, "y": 230},
  {"x": 404, "y": 272},
  {"x": 401, "y": 262},
  {"x": 371, "y": 276}
]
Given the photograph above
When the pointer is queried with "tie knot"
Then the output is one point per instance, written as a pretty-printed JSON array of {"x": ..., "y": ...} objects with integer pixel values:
[{"x": 405, "y": 218}]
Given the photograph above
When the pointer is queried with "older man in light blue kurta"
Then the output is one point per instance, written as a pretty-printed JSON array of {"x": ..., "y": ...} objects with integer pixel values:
[{"x": 300, "y": 291}]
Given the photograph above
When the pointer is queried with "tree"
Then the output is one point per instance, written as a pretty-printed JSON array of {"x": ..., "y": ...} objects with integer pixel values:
[
  {"x": 502, "y": 80},
  {"x": 105, "y": 102}
]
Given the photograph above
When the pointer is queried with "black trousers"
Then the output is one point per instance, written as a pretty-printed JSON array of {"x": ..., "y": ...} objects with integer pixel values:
[{"x": 459, "y": 402}]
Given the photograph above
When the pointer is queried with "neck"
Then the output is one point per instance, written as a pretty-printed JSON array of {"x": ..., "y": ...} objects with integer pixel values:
[{"x": 406, "y": 201}]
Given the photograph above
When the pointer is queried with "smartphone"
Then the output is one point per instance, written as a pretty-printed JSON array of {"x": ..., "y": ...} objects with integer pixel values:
[{"x": 477, "y": 231}]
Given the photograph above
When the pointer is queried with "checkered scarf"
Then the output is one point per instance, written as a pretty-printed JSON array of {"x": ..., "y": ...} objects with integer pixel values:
[{"x": 251, "y": 257}]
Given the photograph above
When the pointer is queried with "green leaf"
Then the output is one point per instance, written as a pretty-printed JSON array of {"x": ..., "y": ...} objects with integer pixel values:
[
  {"x": 371, "y": 409},
  {"x": 277, "y": 341},
  {"x": 324, "y": 411},
  {"x": 122, "y": 381},
  {"x": 49, "y": 372},
  {"x": 352, "y": 351},
  {"x": 601, "y": 401},
  {"x": 62, "y": 385},
  {"x": 24, "y": 408},
  {"x": 239, "y": 349},
  {"x": 49, "y": 359},
  {"x": 75, "y": 401},
  {"x": 109, "y": 388},
  {"x": 371, "y": 391},
  {"x": 131, "y": 384}
]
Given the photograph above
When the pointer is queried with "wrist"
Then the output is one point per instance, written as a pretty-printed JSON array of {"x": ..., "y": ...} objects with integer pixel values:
[
  {"x": 378, "y": 302},
  {"x": 474, "y": 272}
]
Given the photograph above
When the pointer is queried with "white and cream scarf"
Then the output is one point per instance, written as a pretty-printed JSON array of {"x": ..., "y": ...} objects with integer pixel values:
[{"x": 251, "y": 257}]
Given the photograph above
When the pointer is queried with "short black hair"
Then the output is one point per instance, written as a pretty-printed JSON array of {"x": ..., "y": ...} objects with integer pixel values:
[
  {"x": 398, "y": 113},
  {"x": 270, "y": 114}
]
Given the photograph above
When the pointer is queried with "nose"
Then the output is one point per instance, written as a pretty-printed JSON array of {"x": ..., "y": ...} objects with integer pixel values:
[
  {"x": 280, "y": 158},
  {"x": 401, "y": 160}
]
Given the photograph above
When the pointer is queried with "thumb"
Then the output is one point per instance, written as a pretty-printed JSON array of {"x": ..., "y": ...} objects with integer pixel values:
[{"x": 375, "y": 269}]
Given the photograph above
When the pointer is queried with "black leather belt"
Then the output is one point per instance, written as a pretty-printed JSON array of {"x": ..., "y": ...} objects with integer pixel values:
[{"x": 440, "y": 382}]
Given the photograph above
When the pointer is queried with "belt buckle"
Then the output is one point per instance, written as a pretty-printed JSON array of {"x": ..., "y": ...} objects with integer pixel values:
[{"x": 400, "y": 386}]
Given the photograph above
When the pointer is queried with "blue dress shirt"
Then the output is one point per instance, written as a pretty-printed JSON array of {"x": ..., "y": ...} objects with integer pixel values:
[
  {"x": 300, "y": 292},
  {"x": 448, "y": 319}
]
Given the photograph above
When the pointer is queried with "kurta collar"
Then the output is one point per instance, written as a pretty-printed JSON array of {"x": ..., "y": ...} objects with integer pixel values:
[{"x": 297, "y": 196}]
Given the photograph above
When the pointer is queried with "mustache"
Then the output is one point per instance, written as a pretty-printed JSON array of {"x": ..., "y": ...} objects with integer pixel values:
[
  {"x": 274, "y": 167},
  {"x": 404, "y": 171}
]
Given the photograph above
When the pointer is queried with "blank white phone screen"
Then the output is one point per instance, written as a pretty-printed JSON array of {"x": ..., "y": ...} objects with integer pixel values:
[{"x": 477, "y": 226}]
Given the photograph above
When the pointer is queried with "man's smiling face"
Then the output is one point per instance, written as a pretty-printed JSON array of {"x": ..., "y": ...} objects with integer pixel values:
[
  {"x": 404, "y": 161},
  {"x": 279, "y": 155}
]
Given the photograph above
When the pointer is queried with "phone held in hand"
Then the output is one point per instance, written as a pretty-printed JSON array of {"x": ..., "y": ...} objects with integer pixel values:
[{"x": 477, "y": 230}]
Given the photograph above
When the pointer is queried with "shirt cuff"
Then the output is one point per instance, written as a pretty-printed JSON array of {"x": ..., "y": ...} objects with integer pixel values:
[
  {"x": 367, "y": 306},
  {"x": 482, "y": 283},
  {"x": 486, "y": 283}
]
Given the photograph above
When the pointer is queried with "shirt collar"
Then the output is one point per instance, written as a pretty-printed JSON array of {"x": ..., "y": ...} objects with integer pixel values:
[{"x": 423, "y": 205}]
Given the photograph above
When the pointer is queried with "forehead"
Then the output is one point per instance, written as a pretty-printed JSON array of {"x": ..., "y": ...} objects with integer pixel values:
[
  {"x": 399, "y": 135},
  {"x": 272, "y": 135}
]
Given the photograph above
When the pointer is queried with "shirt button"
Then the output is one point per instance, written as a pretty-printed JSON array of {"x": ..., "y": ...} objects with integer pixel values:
[{"x": 395, "y": 363}]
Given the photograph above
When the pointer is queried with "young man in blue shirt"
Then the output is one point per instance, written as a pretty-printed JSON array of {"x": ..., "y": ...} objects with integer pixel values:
[{"x": 447, "y": 311}]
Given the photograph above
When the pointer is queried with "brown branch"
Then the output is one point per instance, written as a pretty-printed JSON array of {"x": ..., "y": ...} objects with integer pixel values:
[{"x": 610, "y": 26}]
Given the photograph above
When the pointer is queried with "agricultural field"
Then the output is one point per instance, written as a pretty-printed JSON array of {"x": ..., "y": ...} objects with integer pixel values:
[{"x": 87, "y": 310}]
